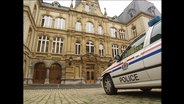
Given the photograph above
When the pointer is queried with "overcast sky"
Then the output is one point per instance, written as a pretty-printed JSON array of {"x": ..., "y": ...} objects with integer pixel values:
[{"x": 113, "y": 7}]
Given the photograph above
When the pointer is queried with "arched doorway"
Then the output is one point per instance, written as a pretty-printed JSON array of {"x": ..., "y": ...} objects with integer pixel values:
[
  {"x": 55, "y": 73},
  {"x": 39, "y": 73}
]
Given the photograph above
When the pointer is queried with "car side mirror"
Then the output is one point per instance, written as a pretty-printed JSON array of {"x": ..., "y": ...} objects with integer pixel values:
[{"x": 118, "y": 58}]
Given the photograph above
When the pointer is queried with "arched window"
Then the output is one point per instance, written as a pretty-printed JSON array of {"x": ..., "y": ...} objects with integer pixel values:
[
  {"x": 59, "y": 23},
  {"x": 100, "y": 30},
  {"x": 89, "y": 27},
  {"x": 114, "y": 50},
  {"x": 43, "y": 43},
  {"x": 77, "y": 48},
  {"x": 101, "y": 50},
  {"x": 89, "y": 47},
  {"x": 47, "y": 21},
  {"x": 78, "y": 26},
  {"x": 57, "y": 45},
  {"x": 113, "y": 32}
]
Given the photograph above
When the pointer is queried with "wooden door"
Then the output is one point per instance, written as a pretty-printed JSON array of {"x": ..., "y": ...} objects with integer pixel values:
[
  {"x": 39, "y": 73},
  {"x": 90, "y": 79},
  {"x": 55, "y": 74},
  {"x": 90, "y": 74}
]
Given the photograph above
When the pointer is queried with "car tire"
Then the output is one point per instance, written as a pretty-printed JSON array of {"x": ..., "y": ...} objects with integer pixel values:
[{"x": 109, "y": 86}]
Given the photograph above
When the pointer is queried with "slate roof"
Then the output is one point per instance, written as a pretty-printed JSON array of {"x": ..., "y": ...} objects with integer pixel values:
[
  {"x": 138, "y": 6},
  {"x": 51, "y": 5}
]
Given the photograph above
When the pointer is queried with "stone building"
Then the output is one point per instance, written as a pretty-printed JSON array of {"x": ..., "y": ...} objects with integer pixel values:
[{"x": 75, "y": 44}]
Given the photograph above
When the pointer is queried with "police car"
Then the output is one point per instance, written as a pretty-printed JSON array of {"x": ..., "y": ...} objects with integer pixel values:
[{"x": 139, "y": 67}]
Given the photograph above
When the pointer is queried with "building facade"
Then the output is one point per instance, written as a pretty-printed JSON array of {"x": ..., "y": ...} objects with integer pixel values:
[{"x": 75, "y": 44}]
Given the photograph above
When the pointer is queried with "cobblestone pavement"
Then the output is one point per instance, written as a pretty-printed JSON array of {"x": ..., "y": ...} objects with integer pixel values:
[{"x": 89, "y": 96}]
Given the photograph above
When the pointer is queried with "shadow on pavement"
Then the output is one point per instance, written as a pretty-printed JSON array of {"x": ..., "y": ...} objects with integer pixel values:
[
  {"x": 55, "y": 86},
  {"x": 140, "y": 94}
]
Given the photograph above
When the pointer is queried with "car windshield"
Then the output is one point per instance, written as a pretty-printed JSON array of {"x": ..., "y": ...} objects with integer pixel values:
[{"x": 135, "y": 46}]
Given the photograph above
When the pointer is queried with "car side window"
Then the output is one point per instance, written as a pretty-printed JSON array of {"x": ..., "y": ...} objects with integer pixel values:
[
  {"x": 134, "y": 46},
  {"x": 156, "y": 33}
]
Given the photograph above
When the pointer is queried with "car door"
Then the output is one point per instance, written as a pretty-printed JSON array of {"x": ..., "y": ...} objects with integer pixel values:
[
  {"x": 152, "y": 54},
  {"x": 132, "y": 69}
]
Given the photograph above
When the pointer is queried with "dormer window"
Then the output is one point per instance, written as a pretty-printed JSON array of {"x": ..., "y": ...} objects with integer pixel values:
[
  {"x": 92, "y": 8},
  {"x": 131, "y": 12},
  {"x": 56, "y": 4},
  {"x": 152, "y": 10},
  {"x": 87, "y": 8}
]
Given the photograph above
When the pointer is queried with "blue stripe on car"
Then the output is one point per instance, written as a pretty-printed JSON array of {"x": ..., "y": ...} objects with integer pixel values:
[{"x": 141, "y": 58}]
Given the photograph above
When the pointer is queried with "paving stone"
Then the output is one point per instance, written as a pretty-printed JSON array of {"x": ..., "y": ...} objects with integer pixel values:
[{"x": 89, "y": 96}]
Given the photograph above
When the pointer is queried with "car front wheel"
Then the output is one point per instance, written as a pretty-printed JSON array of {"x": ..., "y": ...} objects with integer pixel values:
[{"x": 109, "y": 86}]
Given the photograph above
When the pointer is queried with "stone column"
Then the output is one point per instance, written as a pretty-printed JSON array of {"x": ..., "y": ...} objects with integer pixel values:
[
  {"x": 47, "y": 76},
  {"x": 29, "y": 77}
]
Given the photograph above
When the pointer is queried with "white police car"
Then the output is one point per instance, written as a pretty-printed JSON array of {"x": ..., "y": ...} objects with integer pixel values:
[{"x": 139, "y": 67}]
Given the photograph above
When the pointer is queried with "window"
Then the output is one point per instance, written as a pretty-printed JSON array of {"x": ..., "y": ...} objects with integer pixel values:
[
  {"x": 89, "y": 27},
  {"x": 92, "y": 8},
  {"x": 152, "y": 10},
  {"x": 57, "y": 45},
  {"x": 123, "y": 49},
  {"x": 87, "y": 8},
  {"x": 78, "y": 26},
  {"x": 43, "y": 43},
  {"x": 59, "y": 23},
  {"x": 100, "y": 30},
  {"x": 77, "y": 48},
  {"x": 131, "y": 12},
  {"x": 134, "y": 46},
  {"x": 156, "y": 33},
  {"x": 122, "y": 34},
  {"x": 56, "y": 4},
  {"x": 114, "y": 50},
  {"x": 90, "y": 47},
  {"x": 47, "y": 21},
  {"x": 101, "y": 50},
  {"x": 113, "y": 32},
  {"x": 134, "y": 31}
]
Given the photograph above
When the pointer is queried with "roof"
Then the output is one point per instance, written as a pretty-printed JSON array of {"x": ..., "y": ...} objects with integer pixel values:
[
  {"x": 54, "y": 4},
  {"x": 77, "y": 2},
  {"x": 136, "y": 7}
]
